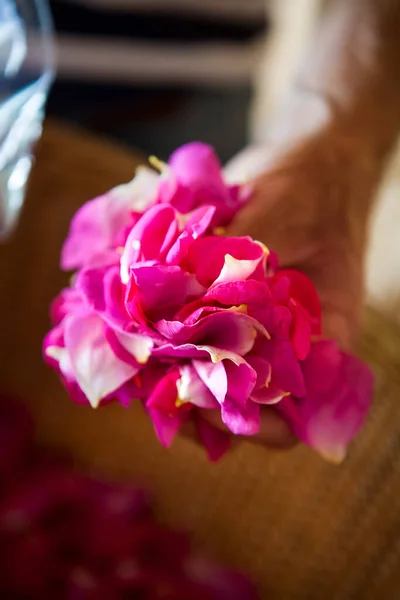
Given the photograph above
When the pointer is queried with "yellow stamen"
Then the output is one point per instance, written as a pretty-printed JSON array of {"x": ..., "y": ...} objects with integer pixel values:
[
  {"x": 268, "y": 381},
  {"x": 240, "y": 308},
  {"x": 264, "y": 247},
  {"x": 157, "y": 164},
  {"x": 219, "y": 230}
]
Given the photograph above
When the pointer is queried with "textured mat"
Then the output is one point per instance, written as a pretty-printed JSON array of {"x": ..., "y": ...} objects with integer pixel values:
[{"x": 301, "y": 527}]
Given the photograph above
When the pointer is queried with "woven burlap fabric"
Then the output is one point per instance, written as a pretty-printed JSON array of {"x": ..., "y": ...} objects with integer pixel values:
[{"x": 301, "y": 527}]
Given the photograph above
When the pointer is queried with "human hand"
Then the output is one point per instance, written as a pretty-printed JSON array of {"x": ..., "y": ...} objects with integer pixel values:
[{"x": 310, "y": 207}]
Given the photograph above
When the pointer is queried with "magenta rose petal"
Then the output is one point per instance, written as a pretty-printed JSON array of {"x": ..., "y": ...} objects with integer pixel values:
[
  {"x": 241, "y": 420},
  {"x": 197, "y": 180},
  {"x": 132, "y": 348},
  {"x": 54, "y": 339},
  {"x": 304, "y": 294},
  {"x": 286, "y": 370},
  {"x": 149, "y": 238},
  {"x": 90, "y": 284},
  {"x": 322, "y": 365},
  {"x": 329, "y": 420},
  {"x": 213, "y": 376},
  {"x": 196, "y": 166},
  {"x": 165, "y": 410},
  {"x": 192, "y": 390},
  {"x": 268, "y": 395},
  {"x": 199, "y": 311},
  {"x": 92, "y": 231},
  {"x": 195, "y": 225},
  {"x": 166, "y": 426},
  {"x": 68, "y": 301},
  {"x": 215, "y": 442},
  {"x": 198, "y": 221},
  {"x": 241, "y": 381},
  {"x": 225, "y": 330},
  {"x": 246, "y": 255},
  {"x": 103, "y": 291},
  {"x": 97, "y": 369},
  {"x": 301, "y": 336},
  {"x": 165, "y": 394},
  {"x": 162, "y": 289},
  {"x": 262, "y": 368},
  {"x": 96, "y": 225},
  {"x": 236, "y": 293},
  {"x": 169, "y": 351}
]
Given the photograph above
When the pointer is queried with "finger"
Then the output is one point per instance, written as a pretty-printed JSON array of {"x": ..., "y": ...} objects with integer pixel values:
[{"x": 274, "y": 431}]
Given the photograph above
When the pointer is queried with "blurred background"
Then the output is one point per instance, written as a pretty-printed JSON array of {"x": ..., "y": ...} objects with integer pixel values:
[{"x": 158, "y": 73}]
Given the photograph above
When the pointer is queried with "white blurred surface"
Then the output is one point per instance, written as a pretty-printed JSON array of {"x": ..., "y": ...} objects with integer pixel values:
[{"x": 383, "y": 264}]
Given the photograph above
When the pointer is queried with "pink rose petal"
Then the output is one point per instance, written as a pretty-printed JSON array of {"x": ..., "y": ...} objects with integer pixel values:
[
  {"x": 215, "y": 442},
  {"x": 328, "y": 420},
  {"x": 95, "y": 227},
  {"x": 151, "y": 237},
  {"x": 241, "y": 420},
  {"x": 97, "y": 369}
]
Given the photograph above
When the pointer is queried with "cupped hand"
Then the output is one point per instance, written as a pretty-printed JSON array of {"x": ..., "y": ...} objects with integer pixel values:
[{"x": 308, "y": 206}]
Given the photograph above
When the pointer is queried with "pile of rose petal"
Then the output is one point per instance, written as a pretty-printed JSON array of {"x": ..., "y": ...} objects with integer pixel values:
[
  {"x": 69, "y": 537},
  {"x": 166, "y": 310}
]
